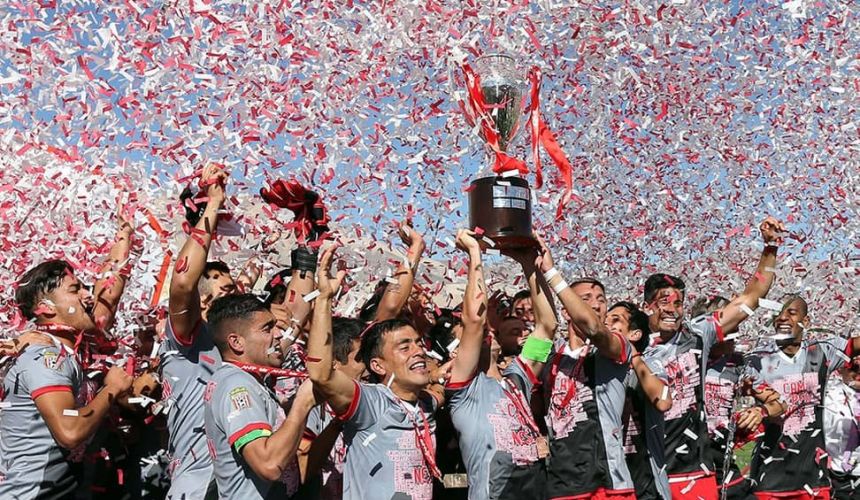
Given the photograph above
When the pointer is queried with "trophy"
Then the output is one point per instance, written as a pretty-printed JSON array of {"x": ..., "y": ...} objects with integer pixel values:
[{"x": 500, "y": 205}]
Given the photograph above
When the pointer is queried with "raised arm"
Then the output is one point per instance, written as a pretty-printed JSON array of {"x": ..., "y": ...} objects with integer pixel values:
[
  {"x": 112, "y": 276},
  {"x": 270, "y": 456},
  {"x": 653, "y": 387},
  {"x": 337, "y": 388},
  {"x": 184, "y": 302},
  {"x": 545, "y": 319},
  {"x": 474, "y": 315},
  {"x": 582, "y": 316},
  {"x": 72, "y": 426},
  {"x": 731, "y": 316},
  {"x": 249, "y": 275},
  {"x": 397, "y": 294}
]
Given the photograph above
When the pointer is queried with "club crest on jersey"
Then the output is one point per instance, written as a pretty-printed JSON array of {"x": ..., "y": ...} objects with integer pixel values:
[
  {"x": 240, "y": 399},
  {"x": 51, "y": 360}
]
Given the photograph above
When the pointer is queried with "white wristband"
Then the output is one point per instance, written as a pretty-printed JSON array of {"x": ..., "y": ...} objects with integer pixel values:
[
  {"x": 552, "y": 273},
  {"x": 558, "y": 287}
]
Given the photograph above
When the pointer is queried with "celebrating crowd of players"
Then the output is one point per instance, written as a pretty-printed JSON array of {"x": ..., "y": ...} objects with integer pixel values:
[{"x": 272, "y": 397}]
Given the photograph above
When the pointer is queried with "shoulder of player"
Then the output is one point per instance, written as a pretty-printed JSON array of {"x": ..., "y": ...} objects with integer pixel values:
[{"x": 228, "y": 377}]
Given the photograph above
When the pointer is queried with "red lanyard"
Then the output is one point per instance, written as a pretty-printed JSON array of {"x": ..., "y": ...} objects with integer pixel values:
[
  {"x": 424, "y": 439},
  {"x": 265, "y": 371},
  {"x": 518, "y": 400},
  {"x": 571, "y": 389}
]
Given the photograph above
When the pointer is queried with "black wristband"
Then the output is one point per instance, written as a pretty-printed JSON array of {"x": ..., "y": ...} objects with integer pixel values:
[{"x": 303, "y": 259}]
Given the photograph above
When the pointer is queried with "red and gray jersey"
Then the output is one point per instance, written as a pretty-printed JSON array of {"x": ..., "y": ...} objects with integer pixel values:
[
  {"x": 332, "y": 469},
  {"x": 498, "y": 434},
  {"x": 721, "y": 381},
  {"x": 185, "y": 370},
  {"x": 32, "y": 464},
  {"x": 791, "y": 456},
  {"x": 238, "y": 410},
  {"x": 384, "y": 460},
  {"x": 585, "y": 396},
  {"x": 683, "y": 360},
  {"x": 643, "y": 441}
]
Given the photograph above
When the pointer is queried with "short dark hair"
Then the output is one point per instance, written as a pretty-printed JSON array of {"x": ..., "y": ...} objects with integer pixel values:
[
  {"x": 277, "y": 287},
  {"x": 791, "y": 297},
  {"x": 659, "y": 281},
  {"x": 371, "y": 341},
  {"x": 38, "y": 282},
  {"x": 344, "y": 332},
  {"x": 367, "y": 312},
  {"x": 441, "y": 334},
  {"x": 228, "y": 308},
  {"x": 637, "y": 320},
  {"x": 522, "y": 294},
  {"x": 589, "y": 281}
]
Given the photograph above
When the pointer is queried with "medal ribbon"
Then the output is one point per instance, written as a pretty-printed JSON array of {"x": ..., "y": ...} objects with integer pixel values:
[{"x": 424, "y": 439}]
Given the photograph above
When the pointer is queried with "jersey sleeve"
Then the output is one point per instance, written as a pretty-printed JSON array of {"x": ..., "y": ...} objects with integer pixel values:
[
  {"x": 707, "y": 326},
  {"x": 366, "y": 407},
  {"x": 522, "y": 375},
  {"x": 173, "y": 342},
  {"x": 837, "y": 351},
  {"x": 47, "y": 369},
  {"x": 458, "y": 393},
  {"x": 242, "y": 414}
]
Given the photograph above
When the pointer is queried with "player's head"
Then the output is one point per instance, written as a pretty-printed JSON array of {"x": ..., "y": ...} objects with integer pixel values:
[
  {"x": 214, "y": 283},
  {"x": 664, "y": 303},
  {"x": 792, "y": 319},
  {"x": 521, "y": 306},
  {"x": 593, "y": 293},
  {"x": 512, "y": 335},
  {"x": 244, "y": 330},
  {"x": 392, "y": 348},
  {"x": 346, "y": 333},
  {"x": 51, "y": 293},
  {"x": 625, "y": 319}
]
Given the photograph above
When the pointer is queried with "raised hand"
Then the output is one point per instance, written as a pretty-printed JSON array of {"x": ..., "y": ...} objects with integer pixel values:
[
  {"x": 772, "y": 230},
  {"x": 213, "y": 180},
  {"x": 544, "y": 260},
  {"x": 467, "y": 242},
  {"x": 326, "y": 285}
]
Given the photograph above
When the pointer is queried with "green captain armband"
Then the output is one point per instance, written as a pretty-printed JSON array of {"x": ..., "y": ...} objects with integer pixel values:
[{"x": 536, "y": 349}]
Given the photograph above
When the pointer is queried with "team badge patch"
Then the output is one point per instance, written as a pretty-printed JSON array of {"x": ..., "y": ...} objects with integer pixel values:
[
  {"x": 51, "y": 360},
  {"x": 240, "y": 399}
]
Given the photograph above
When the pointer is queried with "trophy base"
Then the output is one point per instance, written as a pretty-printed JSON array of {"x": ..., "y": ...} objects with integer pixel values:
[{"x": 501, "y": 207}]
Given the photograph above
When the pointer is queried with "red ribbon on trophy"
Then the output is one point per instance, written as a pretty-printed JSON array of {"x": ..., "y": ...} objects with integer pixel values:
[{"x": 539, "y": 132}]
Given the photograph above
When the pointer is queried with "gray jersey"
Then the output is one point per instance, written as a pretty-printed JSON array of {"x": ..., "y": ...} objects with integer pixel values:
[
  {"x": 502, "y": 459},
  {"x": 383, "y": 459},
  {"x": 585, "y": 393},
  {"x": 332, "y": 469},
  {"x": 791, "y": 455},
  {"x": 185, "y": 370},
  {"x": 239, "y": 409},
  {"x": 683, "y": 358},
  {"x": 33, "y": 465}
]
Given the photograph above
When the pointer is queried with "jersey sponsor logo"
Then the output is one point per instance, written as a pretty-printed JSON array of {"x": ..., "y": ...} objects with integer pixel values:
[
  {"x": 684, "y": 378},
  {"x": 719, "y": 393},
  {"x": 511, "y": 436},
  {"x": 801, "y": 391},
  {"x": 411, "y": 475},
  {"x": 240, "y": 399},
  {"x": 564, "y": 418}
]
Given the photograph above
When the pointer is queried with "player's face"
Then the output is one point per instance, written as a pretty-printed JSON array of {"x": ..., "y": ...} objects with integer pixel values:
[
  {"x": 263, "y": 340},
  {"x": 791, "y": 320},
  {"x": 523, "y": 309},
  {"x": 618, "y": 321},
  {"x": 220, "y": 284},
  {"x": 666, "y": 310},
  {"x": 404, "y": 356},
  {"x": 592, "y": 295},
  {"x": 512, "y": 335},
  {"x": 72, "y": 304}
]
